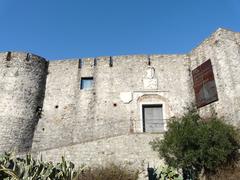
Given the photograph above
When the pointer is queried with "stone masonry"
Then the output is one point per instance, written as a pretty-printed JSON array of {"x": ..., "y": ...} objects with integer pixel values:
[{"x": 45, "y": 110}]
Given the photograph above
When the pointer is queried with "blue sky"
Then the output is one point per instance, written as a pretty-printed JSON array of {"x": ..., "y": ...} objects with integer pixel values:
[{"x": 59, "y": 29}]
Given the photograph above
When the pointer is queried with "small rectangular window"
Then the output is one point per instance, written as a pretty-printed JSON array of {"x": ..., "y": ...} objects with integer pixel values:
[{"x": 86, "y": 83}]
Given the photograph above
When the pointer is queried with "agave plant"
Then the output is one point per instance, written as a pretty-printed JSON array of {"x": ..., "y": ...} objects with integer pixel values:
[
  {"x": 64, "y": 171},
  {"x": 13, "y": 168}
]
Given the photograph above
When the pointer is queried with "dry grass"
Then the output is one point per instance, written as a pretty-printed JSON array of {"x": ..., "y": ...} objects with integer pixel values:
[
  {"x": 227, "y": 174},
  {"x": 111, "y": 172}
]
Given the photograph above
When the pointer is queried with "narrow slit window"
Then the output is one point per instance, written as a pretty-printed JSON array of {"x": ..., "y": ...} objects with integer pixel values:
[{"x": 86, "y": 83}]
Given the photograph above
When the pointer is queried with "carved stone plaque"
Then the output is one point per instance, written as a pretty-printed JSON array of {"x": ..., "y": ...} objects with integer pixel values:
[
  {"x": 150, "y": 82},
  {"x": 150, "y": 73},
  {"x": 126, "y": 97}
]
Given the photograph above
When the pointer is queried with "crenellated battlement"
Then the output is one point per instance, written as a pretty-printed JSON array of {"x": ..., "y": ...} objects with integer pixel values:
[
  {"x": 111, "y": 61},
  {"x": 20, "y": 56},
  {"x": 104, "y": 61}
]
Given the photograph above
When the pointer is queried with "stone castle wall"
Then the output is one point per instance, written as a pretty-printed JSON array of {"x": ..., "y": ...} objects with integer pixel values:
[
  {"x": 105, "y": 123},
  {"x": 22, "y": 85},
  {"x": 127, "y": 150},
  {"x": 86, "y": 115},
  {"x": 223, "y": 48}
]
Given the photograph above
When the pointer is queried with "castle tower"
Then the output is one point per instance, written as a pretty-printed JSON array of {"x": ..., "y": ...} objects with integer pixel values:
[{"x": 22, "y": 86}]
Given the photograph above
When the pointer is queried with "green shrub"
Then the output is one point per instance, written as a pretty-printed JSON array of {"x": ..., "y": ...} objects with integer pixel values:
[
  {"x": 164, "y": 173},
  {"x": 198, "y": 145}
]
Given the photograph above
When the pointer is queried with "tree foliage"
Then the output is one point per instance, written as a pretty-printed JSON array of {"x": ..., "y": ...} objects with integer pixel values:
[{"x": 197, "y": 144}]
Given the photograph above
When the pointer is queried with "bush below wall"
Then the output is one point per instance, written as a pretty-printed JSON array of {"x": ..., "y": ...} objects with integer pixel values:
[
  {"x": 199, "y": 146},
  {"x": 15, "y": 168}
]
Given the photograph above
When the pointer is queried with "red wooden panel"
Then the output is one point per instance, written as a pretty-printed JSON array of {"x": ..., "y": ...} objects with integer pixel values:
[{"x": 204, "y": 84}]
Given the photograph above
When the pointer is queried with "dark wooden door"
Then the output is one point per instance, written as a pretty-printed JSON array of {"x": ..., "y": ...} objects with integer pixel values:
[{"x": 153, "y": 118}]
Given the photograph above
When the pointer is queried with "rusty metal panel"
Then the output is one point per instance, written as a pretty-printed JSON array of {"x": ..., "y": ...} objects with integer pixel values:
[{"x": 204, "y": 84}]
